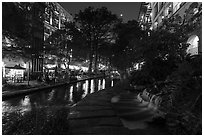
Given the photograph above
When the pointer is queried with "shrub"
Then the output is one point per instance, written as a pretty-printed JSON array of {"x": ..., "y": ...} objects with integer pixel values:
[
  {"x": 141, "y": 78},
  {"x": 184, "y": 97}
]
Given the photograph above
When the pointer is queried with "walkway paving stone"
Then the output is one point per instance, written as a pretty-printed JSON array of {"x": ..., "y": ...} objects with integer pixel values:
[
  {"x": 88, "y": 113},
  {"x": 100, "y": 130},
  {"x": 81, "y": 108},
  {"x": 97, "y": 115},
  {"x": 103, "y": 121},
  {"x": 94, "y": 115}
]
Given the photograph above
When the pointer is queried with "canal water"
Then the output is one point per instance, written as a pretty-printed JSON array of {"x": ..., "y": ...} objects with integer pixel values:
[{"x": 46, "y": 112}]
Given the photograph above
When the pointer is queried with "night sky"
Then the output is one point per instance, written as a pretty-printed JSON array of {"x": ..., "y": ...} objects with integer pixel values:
[{"x": 129, "y": 10}]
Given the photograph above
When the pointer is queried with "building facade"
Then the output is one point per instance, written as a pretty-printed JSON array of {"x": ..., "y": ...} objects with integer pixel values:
[
  {"x": 37, "y": 36},
  {"x": 55, "y": 17},
  {"x": 44, "y": 18},
  {"x": 152, "y": 14},
  {"x": 32, "y": 15}
]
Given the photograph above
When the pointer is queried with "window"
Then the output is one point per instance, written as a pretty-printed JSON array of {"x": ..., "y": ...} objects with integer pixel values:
[
  {"x": 176, "y": 6},
  {"x": 193, "y": 48},
  {"x": 46, "y": 30},
  {"x": 47, "y": 17}
]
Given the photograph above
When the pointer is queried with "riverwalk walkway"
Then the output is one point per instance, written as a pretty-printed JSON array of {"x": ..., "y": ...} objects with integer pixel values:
[{"x": 113, "y": 111}]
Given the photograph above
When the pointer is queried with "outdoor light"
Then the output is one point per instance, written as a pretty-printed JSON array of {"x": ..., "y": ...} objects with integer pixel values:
[
  {"x": 195, "y": 10},
  {"x": 148, "y": 6},
  {"x": 3, "y": 68},
  {"x": 149, "y": 32},
  {"x": 24, "y": 65}
]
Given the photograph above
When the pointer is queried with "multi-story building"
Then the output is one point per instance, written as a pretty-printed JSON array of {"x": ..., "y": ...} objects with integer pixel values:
[
  {"x": 38, "y": 9},
  {"x": 145, "y": 15},
  {"x": 44, "y": 18},
  {"x": 152, "y": 14},
  {"x": 32, "y": 15},
  {"x": 55, "y": 17}
]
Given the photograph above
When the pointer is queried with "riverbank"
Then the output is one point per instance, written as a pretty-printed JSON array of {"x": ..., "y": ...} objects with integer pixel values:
[
  {"x": 112, "y": 111},
  {"x": 16, "y": 89}
]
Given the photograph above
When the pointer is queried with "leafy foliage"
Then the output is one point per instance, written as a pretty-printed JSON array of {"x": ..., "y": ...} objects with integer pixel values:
[
  {"x": 62, "y": 42},
  {"x": 16, "y": 29},
  {"x": 38, "y": 121},
  {"x": 96, "y": 27},
  {"x": 163, "y": 49},
  {"x": 141, "y": 78},
  {"x": 124, "y": 51},
  {"x": 166, "y": 60},
  {"x": 184, "y": 100}
]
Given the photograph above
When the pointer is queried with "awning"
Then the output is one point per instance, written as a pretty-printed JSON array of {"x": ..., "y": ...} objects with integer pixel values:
[{"x": 15, "y": 67}]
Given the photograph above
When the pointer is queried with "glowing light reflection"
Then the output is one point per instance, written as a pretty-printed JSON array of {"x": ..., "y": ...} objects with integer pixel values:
[
  {"x": 92, "y": 86},
  {"x": 71, "y": 93},
  {"x": 85, "y": 88},
  {"x": 111, "y": 83},
  {"x": 103, "y": 85},
  {"x": 99, "y": 84},
  {"x": 51, "y": 94},
  {"x": 26, "y": 105}
]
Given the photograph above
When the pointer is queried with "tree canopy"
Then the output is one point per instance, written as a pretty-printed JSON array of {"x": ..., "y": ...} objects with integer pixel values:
[
  {"x": 124, "y": 51},
  {"x": 96, "y": 26},
  {"x": 16, "y": 29},
  {"x": 64, "y": 43}
]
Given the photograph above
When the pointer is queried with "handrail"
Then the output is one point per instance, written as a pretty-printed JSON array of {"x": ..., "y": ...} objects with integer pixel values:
[{"x": 72, "y": 82}]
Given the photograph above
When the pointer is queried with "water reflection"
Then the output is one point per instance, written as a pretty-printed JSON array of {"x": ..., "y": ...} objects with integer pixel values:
[
  {"x": 92, "y": 86},
  {"x": 26, "y": 105},
  {"x": 103, "y": 85},
  {"x": 46, "y": 112},
  {"x": 111, "y": 83},
  {"x": 85, "y": 88}
]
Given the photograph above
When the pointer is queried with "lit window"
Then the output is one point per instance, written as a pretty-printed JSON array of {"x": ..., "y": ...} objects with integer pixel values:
[
  {"x": 148, "y": 33},
  {"x": 195, "y": 10},
  {"x": 148, "y": 6},
  {"x": 193, "y": 47}
]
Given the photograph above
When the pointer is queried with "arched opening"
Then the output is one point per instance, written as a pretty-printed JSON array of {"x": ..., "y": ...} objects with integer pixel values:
[{"x": 193, "y": 48}]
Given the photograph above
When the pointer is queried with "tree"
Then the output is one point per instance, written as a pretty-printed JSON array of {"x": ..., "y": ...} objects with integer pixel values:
[
  {"x": 96, "y": 26},
  {"x": 65, "y": 44},
  {"x": 124, "y": 52},
  {"x": 16, "y": 29},
  {"x": 164, "y": 49}
]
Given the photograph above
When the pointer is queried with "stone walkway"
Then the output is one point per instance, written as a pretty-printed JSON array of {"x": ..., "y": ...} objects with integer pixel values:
[{"x": 114, "y": 111}]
